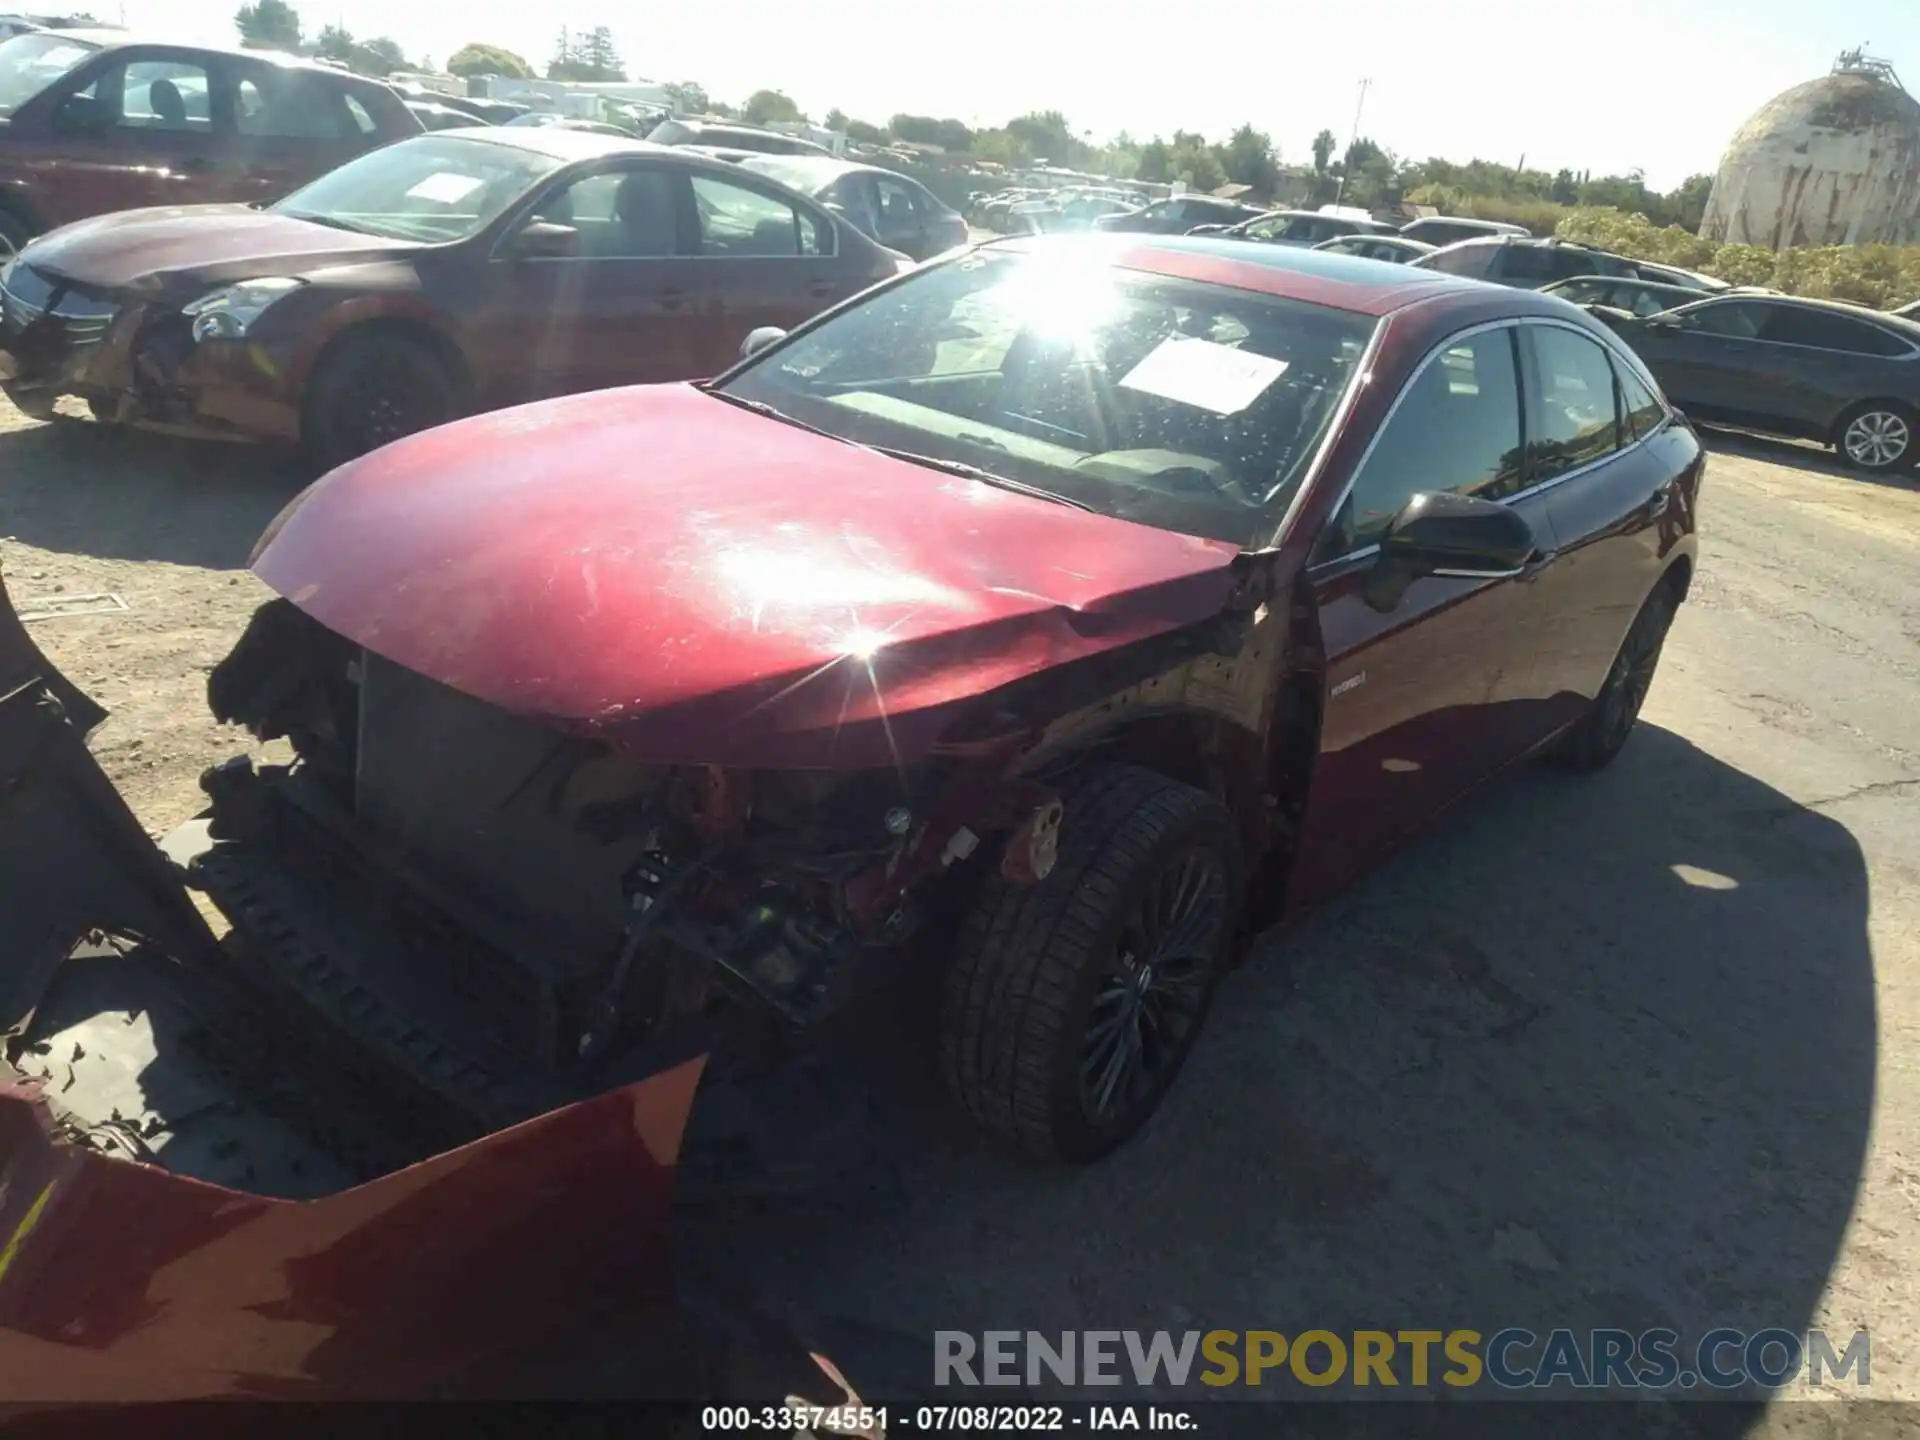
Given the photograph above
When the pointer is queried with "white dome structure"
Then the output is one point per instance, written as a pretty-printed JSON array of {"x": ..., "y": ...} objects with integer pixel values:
[{"x": 1835, "y": 161}]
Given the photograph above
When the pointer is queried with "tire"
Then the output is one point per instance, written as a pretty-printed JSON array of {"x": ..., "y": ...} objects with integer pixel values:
[
  {"x": 14, "y": 235},
  {"x": 372, "y": 389},
  {"x": 1878, "y": 436},
  {"x": 1044, "y": 990},
  {"x": 1602, "y": 732}
]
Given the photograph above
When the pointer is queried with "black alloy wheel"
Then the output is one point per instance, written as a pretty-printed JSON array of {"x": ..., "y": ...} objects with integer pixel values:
[
  {"x": 371, "y": 390},
  {"x": 1071, "y": 1004},
  {"x": 1154, "y": 992}
]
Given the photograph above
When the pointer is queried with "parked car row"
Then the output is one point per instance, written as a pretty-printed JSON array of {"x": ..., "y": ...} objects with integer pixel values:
[{"x": 446, "y": 273}]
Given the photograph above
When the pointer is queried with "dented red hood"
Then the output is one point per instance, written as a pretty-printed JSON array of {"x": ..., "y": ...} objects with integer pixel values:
[{"x": 707, "y": 585}]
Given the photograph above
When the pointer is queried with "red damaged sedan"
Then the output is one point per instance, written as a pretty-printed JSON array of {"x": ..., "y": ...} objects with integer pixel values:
[{"x": 1040, "y": 622}]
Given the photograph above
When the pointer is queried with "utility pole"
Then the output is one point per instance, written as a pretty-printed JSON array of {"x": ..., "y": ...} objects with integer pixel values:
[{"x": 1346, "y": 163}]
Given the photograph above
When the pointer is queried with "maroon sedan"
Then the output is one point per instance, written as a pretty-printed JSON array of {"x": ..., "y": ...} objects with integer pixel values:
[
  {"x": 1039, "y": 623},
  {"x": 93, "y": 121},
  {"x": 448, "y": 273}
]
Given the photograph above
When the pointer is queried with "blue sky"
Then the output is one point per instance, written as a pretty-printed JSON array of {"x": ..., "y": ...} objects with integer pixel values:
[{"x": 1655, "y": 84}]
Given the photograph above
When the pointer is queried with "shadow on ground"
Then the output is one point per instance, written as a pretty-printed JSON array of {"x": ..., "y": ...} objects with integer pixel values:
[
  {"x": 1801, "y": 455},
  {"x": 84, "y": 489},
  {"x": 1597, "y": 1052}
]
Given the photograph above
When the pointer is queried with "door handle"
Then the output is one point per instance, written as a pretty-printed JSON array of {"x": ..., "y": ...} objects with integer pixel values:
[
  {"x": 820, "y": 289},
  {"x": 196, "y": 165},
  {"x": 671, "y": 299}
]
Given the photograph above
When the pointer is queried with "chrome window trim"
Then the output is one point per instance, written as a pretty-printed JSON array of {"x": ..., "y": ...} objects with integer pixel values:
[{"x": 1608, "y": 343}]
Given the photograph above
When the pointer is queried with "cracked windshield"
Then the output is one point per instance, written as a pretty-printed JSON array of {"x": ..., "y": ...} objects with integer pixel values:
[{"x": 1191, "y": 407}]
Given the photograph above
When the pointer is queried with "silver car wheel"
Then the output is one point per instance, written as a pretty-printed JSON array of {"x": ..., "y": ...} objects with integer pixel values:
[{"x": 1877, "y": 439}]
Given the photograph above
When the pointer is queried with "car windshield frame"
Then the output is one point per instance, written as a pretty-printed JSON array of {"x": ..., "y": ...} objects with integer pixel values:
[
  {"x": 444, "y": 157},
  {"x": 21, "y": 80},
  {"x": 1105, "y": 418}
]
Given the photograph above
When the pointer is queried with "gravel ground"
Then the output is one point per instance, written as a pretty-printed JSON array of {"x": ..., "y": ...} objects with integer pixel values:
[{"x": 1633, "y": 1049}]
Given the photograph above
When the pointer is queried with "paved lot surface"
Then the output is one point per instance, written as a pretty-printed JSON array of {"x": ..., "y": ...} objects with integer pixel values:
[{"x": 1626, "y": 1050}]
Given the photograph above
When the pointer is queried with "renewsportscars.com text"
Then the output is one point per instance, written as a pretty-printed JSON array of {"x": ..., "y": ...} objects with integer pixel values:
[{"x": 1511, "y": 1359}]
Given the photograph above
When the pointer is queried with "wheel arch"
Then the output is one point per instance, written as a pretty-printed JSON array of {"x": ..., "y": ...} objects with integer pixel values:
[
  {"x": 413, "y": 328},
  {"x": 1837, "y": 429}
]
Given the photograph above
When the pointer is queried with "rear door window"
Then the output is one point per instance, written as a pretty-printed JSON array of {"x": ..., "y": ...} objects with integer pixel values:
[
  {"x": 1640, "y": 409},
  {"x": 739, "y": 221},
  {"x": 1574, "y": 417},
  {"x": 1825, "y": 330},
  {"x": 1473, "y": 261},
  {"x": 287, "y": 105},
  {"x": 164, "y": 96}
]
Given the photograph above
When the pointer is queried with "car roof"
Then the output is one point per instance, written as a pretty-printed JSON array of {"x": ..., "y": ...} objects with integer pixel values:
[
  {"x": 567, "y": 144},
  {"x": 1321, "y": 277},
  {"x": 111, "y": 39},
  {"x": 823, "y": 167}
]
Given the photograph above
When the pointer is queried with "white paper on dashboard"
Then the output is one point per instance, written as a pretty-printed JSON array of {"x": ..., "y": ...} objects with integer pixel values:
[
  {"x": 1205, "y": 375},
  {"x": 445, "y": 188}
]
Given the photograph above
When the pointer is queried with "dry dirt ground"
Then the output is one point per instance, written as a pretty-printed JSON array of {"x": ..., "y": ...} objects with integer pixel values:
[{"x": 1634, "y": 1049}]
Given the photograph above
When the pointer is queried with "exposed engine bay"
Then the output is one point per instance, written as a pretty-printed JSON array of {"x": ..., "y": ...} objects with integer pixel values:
[{"x": 495, "y": 918}]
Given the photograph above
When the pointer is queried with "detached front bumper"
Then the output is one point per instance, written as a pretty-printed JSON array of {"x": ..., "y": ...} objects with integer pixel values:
[{"x": 137, "y": 363}]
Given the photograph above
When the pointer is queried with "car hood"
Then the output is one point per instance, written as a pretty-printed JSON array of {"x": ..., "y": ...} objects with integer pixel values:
[
  {"x": 217, "y": 244},
  {"x": 706, "y": 585}
]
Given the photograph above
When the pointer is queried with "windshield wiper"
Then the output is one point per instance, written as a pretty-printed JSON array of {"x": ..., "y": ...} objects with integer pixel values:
[
  {"x": 974, "y": 472},
  {"x": 912, "y": 457},
  {"x": 334, "y": 222}
]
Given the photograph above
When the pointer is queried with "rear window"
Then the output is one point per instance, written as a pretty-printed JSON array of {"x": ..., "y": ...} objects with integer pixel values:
[{"x": 1473, "y": 261}]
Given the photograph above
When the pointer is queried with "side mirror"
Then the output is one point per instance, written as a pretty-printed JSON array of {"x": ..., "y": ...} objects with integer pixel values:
[
  {"x": 544, "y": 240},
  {"x": 759, "y": 339},
  {"x": 1440, "y": 533}
]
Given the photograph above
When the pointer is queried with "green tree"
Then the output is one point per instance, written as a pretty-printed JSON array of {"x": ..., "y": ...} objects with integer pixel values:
[
  {"x": 1248, "y": 158},
  {"x": 1047, "y": 136},
  {"x": 949, "y": 135},
  {"x": 1323, "y": 147},
  {"x": 687, "y": 97},
  {"x": 862, "y": 133},
  {"x": 1156, "y": 162},
  {"x": 478, "y": 59},
  {"x": 836, "y": 119},
  {"x": 599, "y": 56},
  {"x": 335, "y": 43},
  {"x": 268, "y": 25},
  {"x": 379, "y": 56},
  {"x": 767, "y": 105},
  {"x": 1688, "y": 204}
]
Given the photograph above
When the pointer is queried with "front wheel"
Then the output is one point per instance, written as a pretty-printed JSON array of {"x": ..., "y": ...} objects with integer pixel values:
[
  {"x": 1878, "y": 436},
  {"x": 372, "y": 389},
  {"x": 1071, "y": 1004}
]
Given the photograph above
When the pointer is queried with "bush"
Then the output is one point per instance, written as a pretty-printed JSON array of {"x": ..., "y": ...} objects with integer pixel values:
[{"x": 1881, "y": 276}]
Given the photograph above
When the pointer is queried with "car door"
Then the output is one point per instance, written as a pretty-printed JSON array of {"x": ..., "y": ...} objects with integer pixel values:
[
  {"x": 1431, "y": 696},
  {"x": 626, "y": 310},
  {"x": 758, "y": 258},
  {"x": 1820, "y": 361},
  {"x": 139, "y": 127},
  {"x": 1705, "y": 355},
  {"x": 291, "y": 126},
  {"x": 902, "y": 219},
  {"x": 1604, "y": 451}
]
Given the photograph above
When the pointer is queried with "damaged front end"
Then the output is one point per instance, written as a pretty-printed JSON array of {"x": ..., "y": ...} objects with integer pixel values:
[{"x": 387, "y": 1134}]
